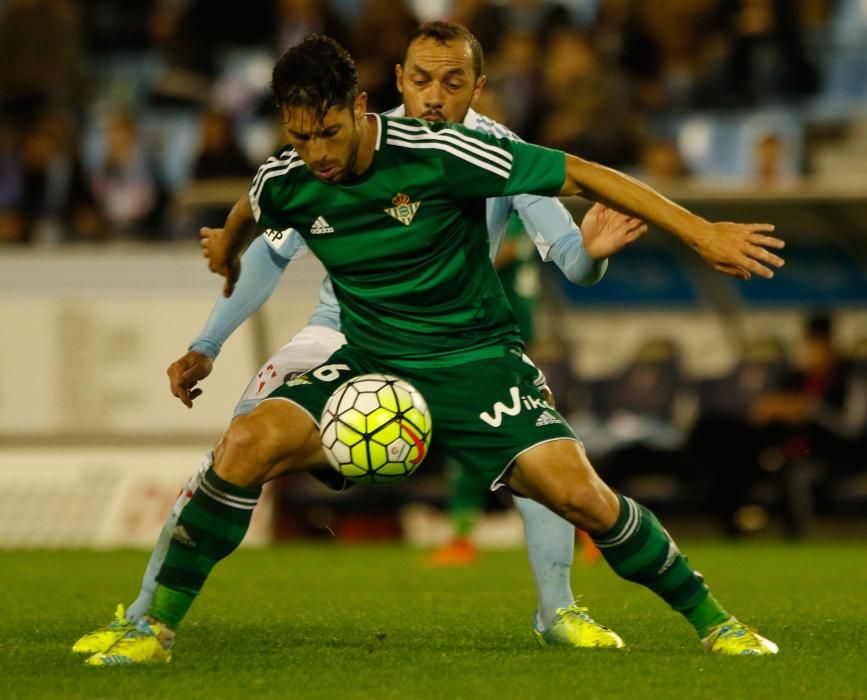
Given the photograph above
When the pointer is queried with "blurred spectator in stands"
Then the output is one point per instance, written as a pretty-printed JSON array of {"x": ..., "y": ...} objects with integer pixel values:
[
  {"x": 584, "y": 108},
  {"x": 112, "y": 26},
  {"x": 660, "y": 160},
  {"x": 640, "y": 418},
  {"x": 377, "y": 46},
  {"x": 298, "y": 18},
  {"x": 193, "y": 35},
  {"x": 50, "y": 201},
  {"x": 126, "y": 184},
  {"x": 11, "y": 223},
  {"x": 724, "y": 447},
  {"x": 769, "y": 162},
  {"x": 482, "y": 17},
  {"x": 815, "y": 403},
  {"x": 780, "y": 428},
  {"x": 641, "y": 406},
  {"x": 537, "y": 17},
  {"x": 220, "y": 154},
  {"x": 662, "y": 46},
  {"x": 42, "y": 64},
  {"x": 514, "y": 71},
  {"x": 764, "y": 60}
]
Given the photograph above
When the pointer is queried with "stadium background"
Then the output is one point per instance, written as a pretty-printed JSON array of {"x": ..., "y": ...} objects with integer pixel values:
[{"x": 126, "y": 126}]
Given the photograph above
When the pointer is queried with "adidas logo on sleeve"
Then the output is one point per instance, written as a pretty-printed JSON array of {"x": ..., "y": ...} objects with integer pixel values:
[{"x": 321, "y": 226}]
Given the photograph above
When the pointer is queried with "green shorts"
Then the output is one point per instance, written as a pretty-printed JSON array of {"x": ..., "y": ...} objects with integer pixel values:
[{"x": 485, "y": 413}]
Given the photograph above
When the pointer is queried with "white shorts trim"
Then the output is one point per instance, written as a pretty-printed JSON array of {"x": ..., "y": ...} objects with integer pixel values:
[{"x": 498, "y": 483}]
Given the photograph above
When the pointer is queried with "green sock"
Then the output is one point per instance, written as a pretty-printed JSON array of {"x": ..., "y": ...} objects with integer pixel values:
[
  {"x": 466, "y": 497},
  {"x": 210, "y": 527},
  {"x": 705, "y": 615},
  {"x": 464, "y": 522},
  {"x": 640, "y": 550}
]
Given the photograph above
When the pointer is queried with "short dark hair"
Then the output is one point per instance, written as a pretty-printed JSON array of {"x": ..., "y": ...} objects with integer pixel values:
[
  {"x": 316, "y": 74},
  {"x": 443, "y": 32}
]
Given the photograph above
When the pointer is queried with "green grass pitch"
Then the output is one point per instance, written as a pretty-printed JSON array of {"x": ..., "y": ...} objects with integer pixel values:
[{"x": 330, "y": 621}]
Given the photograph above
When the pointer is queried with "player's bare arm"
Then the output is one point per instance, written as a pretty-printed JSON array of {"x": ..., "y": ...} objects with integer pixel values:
[{"x": 736, "y": 249}]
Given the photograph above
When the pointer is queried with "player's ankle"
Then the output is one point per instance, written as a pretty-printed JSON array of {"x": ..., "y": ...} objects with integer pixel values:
[{"x": 165, "y": 635}]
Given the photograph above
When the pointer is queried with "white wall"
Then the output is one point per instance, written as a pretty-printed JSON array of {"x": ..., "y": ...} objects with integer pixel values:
[{"x": 86, "y": 336}]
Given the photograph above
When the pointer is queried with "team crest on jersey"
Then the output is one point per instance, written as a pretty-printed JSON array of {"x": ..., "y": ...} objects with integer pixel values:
[
  {"x": 296, "y": 379},
  {"x": 403, "y": 210}
]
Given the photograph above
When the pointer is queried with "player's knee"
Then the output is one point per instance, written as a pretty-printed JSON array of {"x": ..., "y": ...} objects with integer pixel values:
[{"x": 247, "y": 451}]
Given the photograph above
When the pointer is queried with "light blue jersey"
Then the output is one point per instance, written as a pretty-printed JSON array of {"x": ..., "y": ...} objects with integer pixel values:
[{"x": 545, "y": 219}]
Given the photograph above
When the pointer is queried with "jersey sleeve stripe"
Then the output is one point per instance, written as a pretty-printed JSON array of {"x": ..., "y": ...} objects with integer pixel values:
[
  {"x": 441, "y": 146},
  {"x": 455, "y": 135},
  {"x": 284, "y": 159},
  {"x": 281, "y": 169},
  {"x": 488, "y": 126},
  {"x": 256, "y": 190},
  {"x": 457, "y": 143},
  {"x": 495, "y": 151}
]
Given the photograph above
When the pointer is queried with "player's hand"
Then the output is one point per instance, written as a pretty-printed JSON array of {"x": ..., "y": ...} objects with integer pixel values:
[
  {"x": 185, "y": 373},
  {"x": 220, "y": 259},
  {"x": 606, "y": 232},
  {"x": 739, "y": 250}
]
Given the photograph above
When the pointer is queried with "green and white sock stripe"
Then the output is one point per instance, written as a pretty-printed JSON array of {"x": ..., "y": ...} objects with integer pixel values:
[
  {"x": 626, "y": 526},
  {"x": 224, "y": 496},
  {"x": 639, "y": 549}
]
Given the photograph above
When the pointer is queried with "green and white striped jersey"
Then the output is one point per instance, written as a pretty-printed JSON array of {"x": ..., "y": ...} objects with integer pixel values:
[{"x": 405, "y": 244}]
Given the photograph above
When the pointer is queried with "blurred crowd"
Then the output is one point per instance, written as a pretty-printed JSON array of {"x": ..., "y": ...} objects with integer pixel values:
[
  {"x": 109, "y": 109},
  {"x": 780, "y": 437}
]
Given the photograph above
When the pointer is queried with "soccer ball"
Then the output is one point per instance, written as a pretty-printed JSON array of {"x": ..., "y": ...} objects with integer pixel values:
[{"x": 376, "y": 429}]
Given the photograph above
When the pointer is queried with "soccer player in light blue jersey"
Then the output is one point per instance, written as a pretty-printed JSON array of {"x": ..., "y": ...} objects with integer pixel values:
[{"x": 440, "y": 77}]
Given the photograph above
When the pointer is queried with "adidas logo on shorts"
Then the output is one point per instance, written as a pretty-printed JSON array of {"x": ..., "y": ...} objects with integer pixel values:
[
  {"x": 546, "y": 418},
  {"x": 321, "y": 226}
]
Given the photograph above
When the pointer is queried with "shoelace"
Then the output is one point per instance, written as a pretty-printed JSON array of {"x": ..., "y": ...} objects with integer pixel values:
[
  {"x": 579, "y": 611},
  {"x": 119, "y": 621},
  {"x": 138, "y": 630}
]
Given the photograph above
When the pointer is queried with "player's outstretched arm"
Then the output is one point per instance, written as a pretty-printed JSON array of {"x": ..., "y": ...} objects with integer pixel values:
[{"x": 735, "y": 249}]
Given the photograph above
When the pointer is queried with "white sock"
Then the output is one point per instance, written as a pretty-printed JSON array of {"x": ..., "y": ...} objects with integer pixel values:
[
  {"x": 149, "y": 581},
  {"x": 550, "y": 548}
]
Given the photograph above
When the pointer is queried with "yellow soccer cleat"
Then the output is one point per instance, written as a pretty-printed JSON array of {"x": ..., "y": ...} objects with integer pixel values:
[
  {"x": 105, "y": 637},
  {"x": 573, "y": 627},
  {"x": 734, "y": 638},
  {"x": 142, "y": 644}
]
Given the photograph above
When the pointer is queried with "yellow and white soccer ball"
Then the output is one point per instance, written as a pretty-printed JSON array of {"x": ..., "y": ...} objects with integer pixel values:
[{"x": 376, "y": 429}]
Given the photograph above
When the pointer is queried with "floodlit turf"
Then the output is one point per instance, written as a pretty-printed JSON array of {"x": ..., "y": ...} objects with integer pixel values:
[{"x": 370, "y": 622}]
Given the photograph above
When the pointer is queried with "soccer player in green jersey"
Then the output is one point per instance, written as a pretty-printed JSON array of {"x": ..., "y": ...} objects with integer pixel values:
[
  {"x": 440, "y": 77},
  {"x": 393, "y": 208}
]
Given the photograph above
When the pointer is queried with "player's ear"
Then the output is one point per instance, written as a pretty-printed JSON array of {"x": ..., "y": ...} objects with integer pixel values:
[
  {"x": 360, "y": 107},
  {"x": 398, "y": 77},
  {"x": 477, "y": 88}
]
